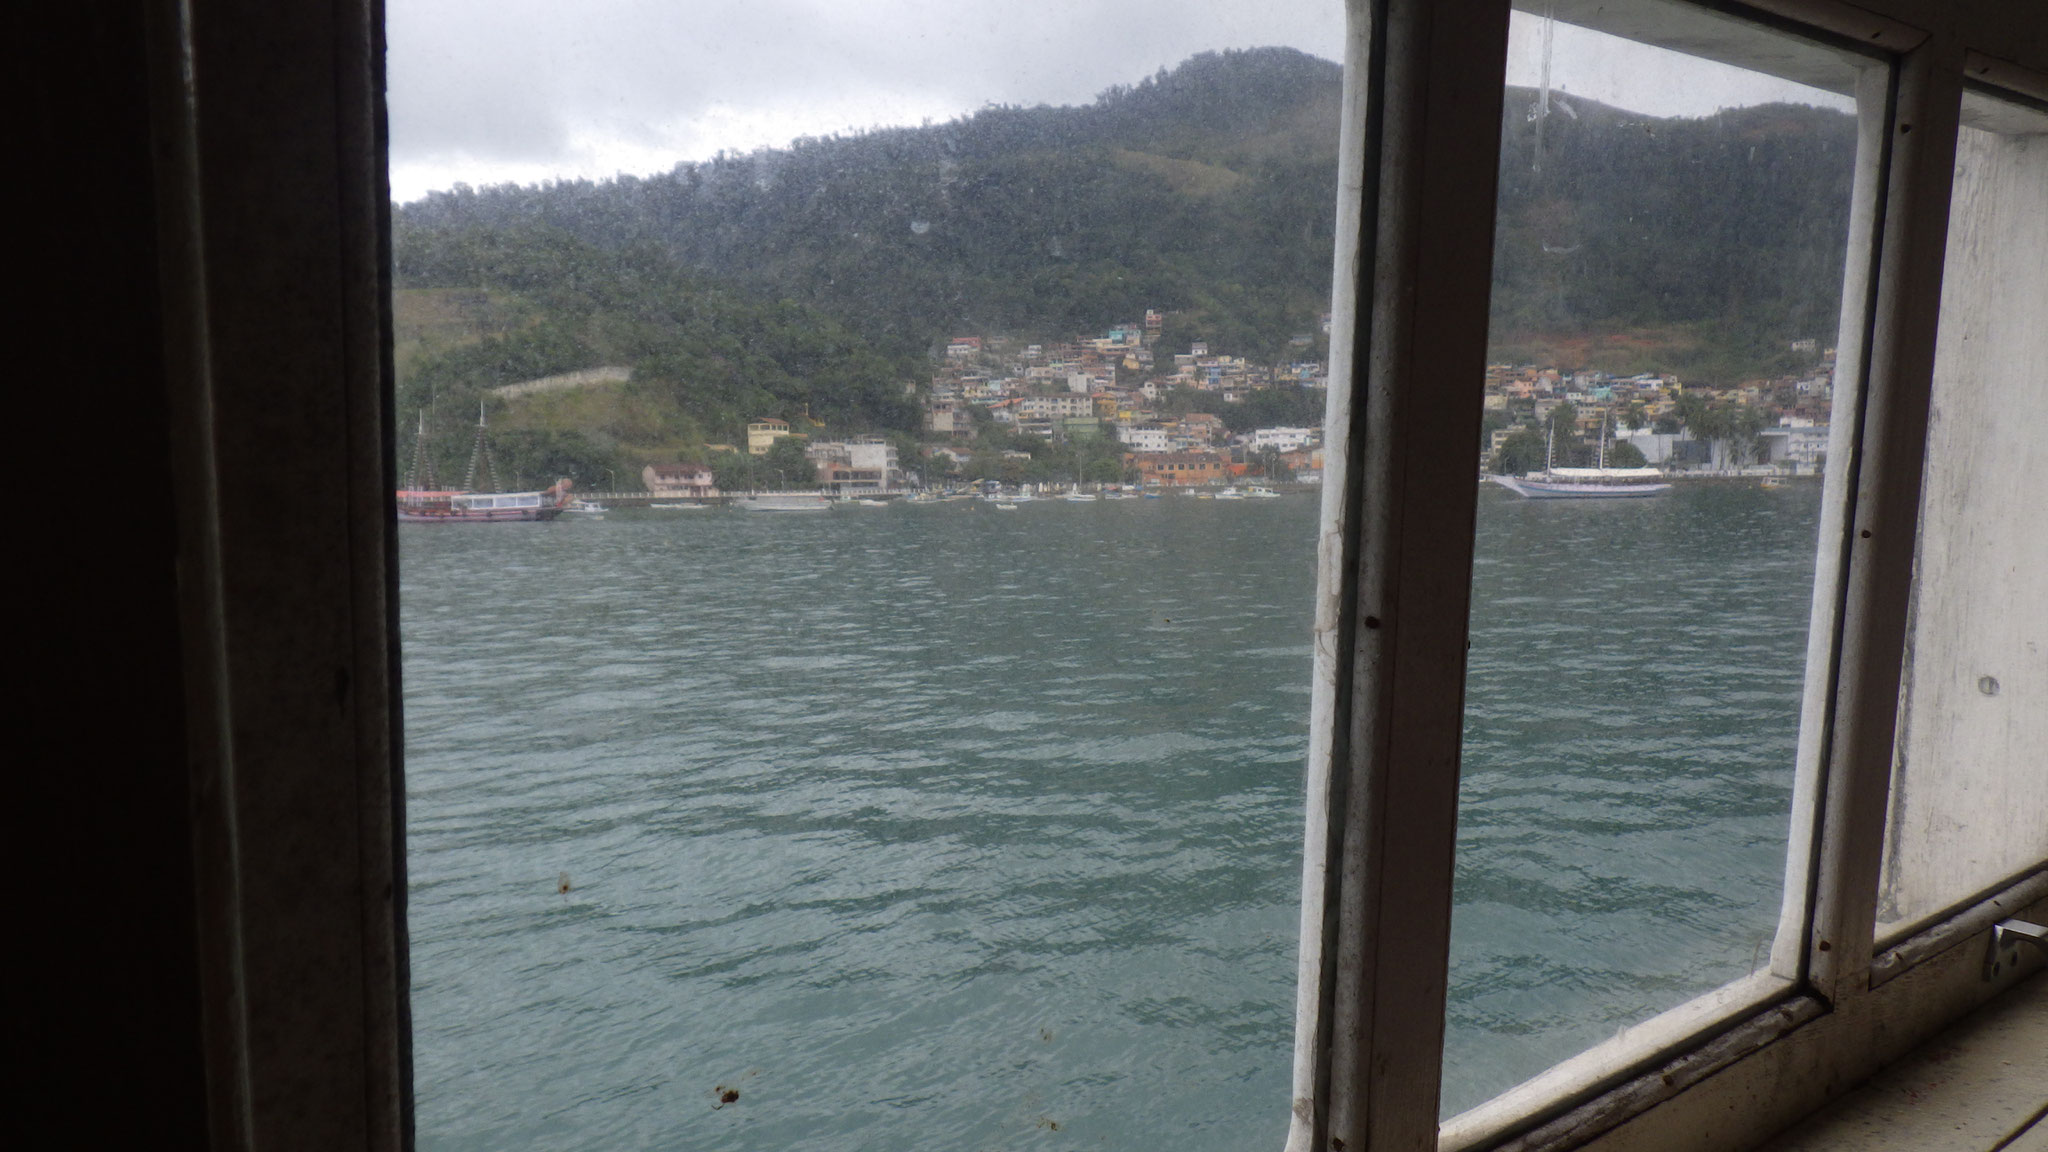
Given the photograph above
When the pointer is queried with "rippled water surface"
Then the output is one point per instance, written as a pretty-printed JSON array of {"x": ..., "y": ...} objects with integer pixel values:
[{"x": 942, "y": 828}]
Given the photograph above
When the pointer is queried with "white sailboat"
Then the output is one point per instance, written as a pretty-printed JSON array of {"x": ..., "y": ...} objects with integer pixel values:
[{"x": 1596, "y": 483}]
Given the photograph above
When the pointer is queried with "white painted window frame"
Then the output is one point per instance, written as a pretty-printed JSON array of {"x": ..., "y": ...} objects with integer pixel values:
[{"x": 1417, "y": 172}]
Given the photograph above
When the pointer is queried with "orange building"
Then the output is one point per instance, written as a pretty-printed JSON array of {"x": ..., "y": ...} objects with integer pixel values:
[{"x": 1180, "y": 467}]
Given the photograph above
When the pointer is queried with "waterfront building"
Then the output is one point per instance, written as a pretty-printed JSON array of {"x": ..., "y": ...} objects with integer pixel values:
[
  {"x": 1178, "y": 468},
  {"x": 858, "y": 464},
  {"x": 691, "y": 480}
]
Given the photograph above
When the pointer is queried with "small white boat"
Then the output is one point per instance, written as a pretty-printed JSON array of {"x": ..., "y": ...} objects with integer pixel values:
[
  {"x": 783, "y": 502},
  {"x": 1260, "y": 492},
  {"x": 585, "y": 508},
  {"x": 1005, "y": 506},
  {"x": 1078, "y": 498},
  {"x": 1230, "y": 494},
  {"x": 673, "y": 506}
]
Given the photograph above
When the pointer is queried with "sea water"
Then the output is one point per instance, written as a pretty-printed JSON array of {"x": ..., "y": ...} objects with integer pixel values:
[{"x": 932, "y": 827}]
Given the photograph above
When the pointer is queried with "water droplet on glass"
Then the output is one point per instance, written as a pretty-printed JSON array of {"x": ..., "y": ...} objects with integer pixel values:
[
  {"x": 920, "y": 227},
  {"x": 1988, "y": 685}
]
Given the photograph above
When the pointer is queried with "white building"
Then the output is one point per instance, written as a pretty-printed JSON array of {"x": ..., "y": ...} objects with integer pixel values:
[
  {"x": 1286, "y": 439},
  {"x": 1656, "y": 447},
  {"x": 1144, "y": 439},
  {"x": 1800, "y": 443},
  {"x": 1055, "y": 407},
  {"x": 863, "y": 463}
]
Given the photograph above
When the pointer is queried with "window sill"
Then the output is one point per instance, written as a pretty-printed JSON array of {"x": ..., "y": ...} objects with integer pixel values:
[
  {"x": 1631, "y": 1051},
  {"x": 1757, "y": 1075},
  {"x": 1976, "y": 1087}
]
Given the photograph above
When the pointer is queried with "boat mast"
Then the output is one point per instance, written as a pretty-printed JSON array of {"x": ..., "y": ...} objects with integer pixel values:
[
  {"x": 422, "y": 464},
  {"x": 480, "y": 452},
  {"x": 1549, "y": 445},
  {"x": 1602, "y": 462}
]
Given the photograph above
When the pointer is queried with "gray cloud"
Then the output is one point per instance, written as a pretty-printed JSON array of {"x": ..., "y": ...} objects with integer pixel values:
[
  {"x": 484, "y": 91},
  {"x": 495, "y": 89}
]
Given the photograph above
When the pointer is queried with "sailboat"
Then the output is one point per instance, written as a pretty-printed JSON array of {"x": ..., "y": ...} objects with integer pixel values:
[
  {"x": 1074, "y": 495},
  {"x": 1597, "y": 483},
  {"x": 422, "y": 501}
]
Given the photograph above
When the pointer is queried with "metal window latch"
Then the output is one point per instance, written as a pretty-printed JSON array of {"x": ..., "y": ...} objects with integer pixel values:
[{"x": 2006, "y": 938}]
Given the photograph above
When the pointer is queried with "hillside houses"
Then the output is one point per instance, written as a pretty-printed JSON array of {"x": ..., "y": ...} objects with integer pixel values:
[
  {"x": 1781, "y": 423},
  {"x": 1109, "y": 385}
]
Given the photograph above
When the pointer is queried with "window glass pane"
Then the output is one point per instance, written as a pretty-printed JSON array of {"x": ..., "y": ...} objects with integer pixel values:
[
  {"x": 1970, "y": 786},
  {"x": 961, "y": 811},
  {"x": 1669, "y": 259}
]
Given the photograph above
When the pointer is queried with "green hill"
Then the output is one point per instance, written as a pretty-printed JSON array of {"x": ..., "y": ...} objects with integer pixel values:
[{"x": 821, "y": 276}]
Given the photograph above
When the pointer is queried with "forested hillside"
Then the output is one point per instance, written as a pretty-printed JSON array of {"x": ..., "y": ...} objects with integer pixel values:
[
  {"x": 819, "y": 277},
  {"x": 1206, "y": 191},
  {"x": 1723, "y": 236}
]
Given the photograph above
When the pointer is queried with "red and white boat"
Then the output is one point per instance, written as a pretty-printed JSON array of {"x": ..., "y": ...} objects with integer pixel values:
[
  {"x": 416, "y": 506},
  {"x": 429, "y": 504}
]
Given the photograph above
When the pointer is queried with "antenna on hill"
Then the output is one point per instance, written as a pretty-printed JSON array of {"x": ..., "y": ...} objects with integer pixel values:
[{"x": 1541, "y": 111}]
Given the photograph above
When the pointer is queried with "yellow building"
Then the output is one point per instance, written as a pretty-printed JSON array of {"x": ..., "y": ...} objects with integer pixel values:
[{"x": 762, "y": 435}]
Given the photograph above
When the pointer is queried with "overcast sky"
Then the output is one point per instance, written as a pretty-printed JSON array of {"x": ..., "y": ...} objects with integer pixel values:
[{"x": 489, "y": 91}]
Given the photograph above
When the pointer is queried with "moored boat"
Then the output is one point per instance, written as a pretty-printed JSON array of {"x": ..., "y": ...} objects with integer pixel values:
[
  {"x": 417, "y": 506},
  {"x": 1596, "y": 483},
  {"x": 422, "y": 501},
  {"x": 783, "y": 502},
  {"x": 1586, "y": 483}
]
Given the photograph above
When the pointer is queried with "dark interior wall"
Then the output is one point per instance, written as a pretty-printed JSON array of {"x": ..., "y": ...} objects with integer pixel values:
[{"x": 105, "y": 991}]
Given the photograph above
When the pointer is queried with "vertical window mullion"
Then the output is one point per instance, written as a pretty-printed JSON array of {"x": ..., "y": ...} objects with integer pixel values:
[
  {"x": 1414, "y": 259},
  {"x": 1874, "y": 93},
  {"x": 1878, "y": 569}
]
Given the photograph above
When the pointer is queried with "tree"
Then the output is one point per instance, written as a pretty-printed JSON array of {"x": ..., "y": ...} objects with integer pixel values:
[
  {"x": 1626, "y": 455},
  {"x": 1493, "y": 421},
  {"x": 1744, "y": 425},
  {"x": 1272, "y": 464},
  {"x": 533, "y": 458},
  {"x": 1521, "y": 452},
  {"x": 786, "y": 462},
  {"x": 1564, "y": 420},
  {"x": 1279, "y": 407},
  {"x": 734, "y": 472}
]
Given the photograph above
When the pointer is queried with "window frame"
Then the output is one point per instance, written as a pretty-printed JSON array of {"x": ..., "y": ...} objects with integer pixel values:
[
  {"x": 1421, "y": 106},
  {"x": 268, "y": 129}
]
